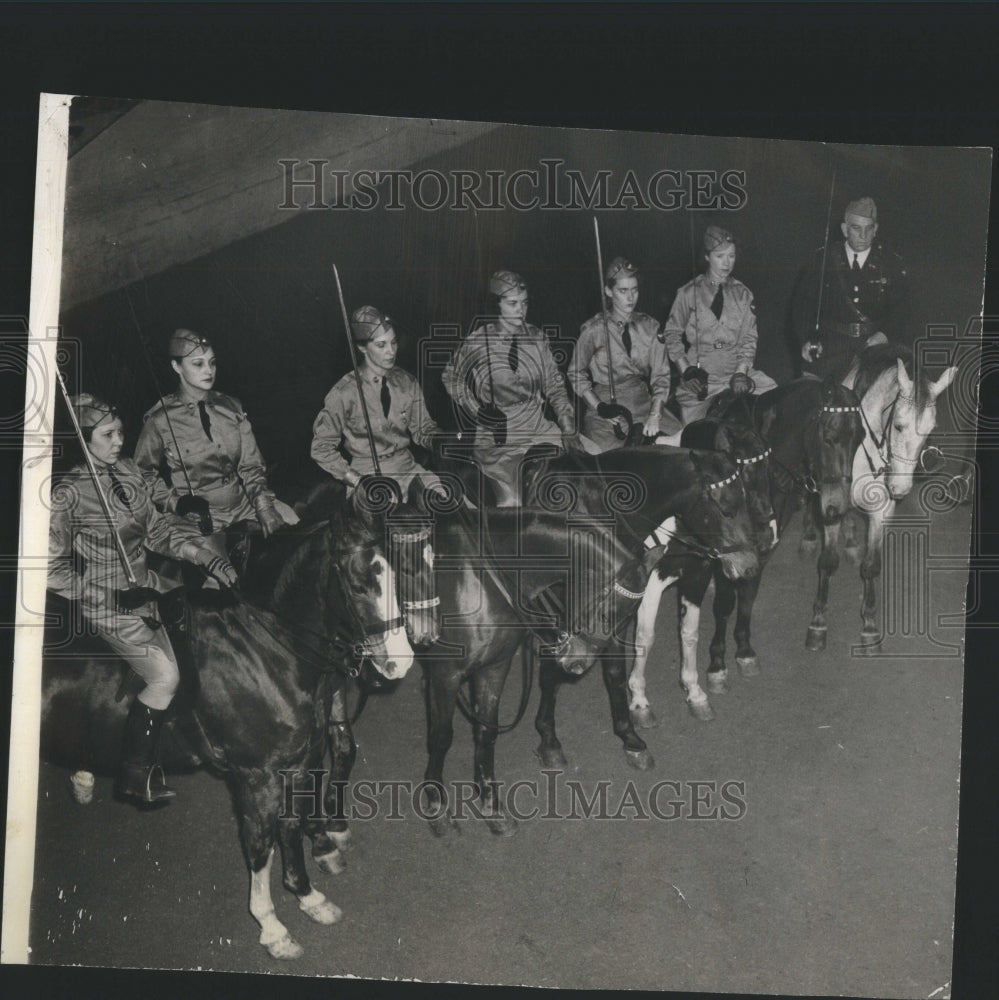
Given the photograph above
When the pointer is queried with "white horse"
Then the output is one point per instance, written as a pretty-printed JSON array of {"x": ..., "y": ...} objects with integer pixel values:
[{"x": 899, "y": 412}]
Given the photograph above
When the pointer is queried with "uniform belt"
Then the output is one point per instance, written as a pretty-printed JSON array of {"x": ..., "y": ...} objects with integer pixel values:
[{"x": 863, "y": 328}]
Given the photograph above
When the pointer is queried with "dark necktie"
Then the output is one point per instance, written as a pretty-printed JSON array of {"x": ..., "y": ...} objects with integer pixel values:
[
  {"x": 118, "y": 489},
  {"x": 718, "y": 302},
  {"x": 856, "y": 264},
  {"x": 514, "y": 356},
  {"x": 626, "y": 338},
  {"x": 205, "y": 422},
  {"x": 386, "y": 397}
]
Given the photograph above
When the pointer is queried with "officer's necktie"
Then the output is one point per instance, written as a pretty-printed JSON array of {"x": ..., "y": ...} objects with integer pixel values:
[
  {"x": 626, "y": 338},
  {"x": 118, "y": 489},
  {"x": 514, "y": 355},
  {"x": 205, "y": 422},
  {"x": 856, "y": 263},
  {"x": 386, "y": 397},
  {"x": 718, "y": 302}
]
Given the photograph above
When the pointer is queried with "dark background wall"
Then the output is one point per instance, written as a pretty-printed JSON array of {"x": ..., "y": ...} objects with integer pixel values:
[{"x": 269, "y": 303}]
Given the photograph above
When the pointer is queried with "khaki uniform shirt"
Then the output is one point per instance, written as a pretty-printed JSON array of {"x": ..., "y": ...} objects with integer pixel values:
[
  {"x": 227, "y": 469},
  {"x": 341, "y": 421},
  {"x": 720, "y": 346},
  {"x": 639, "y": 379},
  {"x": 480, "y": 373},
  {"x": 78, "y": 525}
]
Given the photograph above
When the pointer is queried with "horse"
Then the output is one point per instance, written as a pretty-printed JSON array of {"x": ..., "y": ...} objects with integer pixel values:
[
  {"x": 254, "y": 705},
  {"x": 692, "y": 572},
  {"x": 496, "y": 573},
  {"x": 899, "y": 412},
  {"x": 652, "y": 497},
  {"x": 814, "y": 429}
]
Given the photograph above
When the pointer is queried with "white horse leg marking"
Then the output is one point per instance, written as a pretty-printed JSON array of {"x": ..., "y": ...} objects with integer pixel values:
[
  {"x": 645, "y": 634},
  {"x": 697, "y": 699},
  {"x": 274, "y": 935},
  {"x": 317, "y": 907}
]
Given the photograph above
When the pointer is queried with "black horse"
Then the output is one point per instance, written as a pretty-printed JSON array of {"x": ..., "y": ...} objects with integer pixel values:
[
  {"x": 507, "y": 579},
  {"x": 814, "y": 429},
  {"x": 257, "y": 702},
  {"x": 651, "y": 497}
]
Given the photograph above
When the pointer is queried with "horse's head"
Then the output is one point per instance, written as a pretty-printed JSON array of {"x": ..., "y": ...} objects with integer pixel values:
[
  {"x": 752, "y": 456},
  {"x": 600, "y": 619},
  {"x": 833, "y": 433},
  {"x": 718, "y": 516},
  {"x": 908, "y": 408},
  {"x": 410, "y": 549},
  {"x": 363, "y": 587}
]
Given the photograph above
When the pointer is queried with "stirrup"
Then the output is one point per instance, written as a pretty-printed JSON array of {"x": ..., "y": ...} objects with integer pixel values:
[{"x": 145, "y": 783}]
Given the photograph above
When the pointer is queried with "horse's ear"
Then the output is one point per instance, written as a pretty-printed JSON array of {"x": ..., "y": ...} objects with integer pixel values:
[
  {"x": 904, "y": 381},
  {"x": 941, "y": 383}
]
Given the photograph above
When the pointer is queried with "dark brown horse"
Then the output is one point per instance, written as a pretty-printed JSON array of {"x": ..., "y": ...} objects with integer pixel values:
[
  {"x": 509, "y": 579},
  {"x": 260, "y": 702}
]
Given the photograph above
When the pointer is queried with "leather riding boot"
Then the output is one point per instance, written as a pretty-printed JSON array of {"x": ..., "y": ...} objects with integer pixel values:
[{"x": 141, "y": 776}]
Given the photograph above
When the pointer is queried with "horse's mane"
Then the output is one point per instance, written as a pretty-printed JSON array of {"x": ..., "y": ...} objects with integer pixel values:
[{"x": 875, "y": 361}]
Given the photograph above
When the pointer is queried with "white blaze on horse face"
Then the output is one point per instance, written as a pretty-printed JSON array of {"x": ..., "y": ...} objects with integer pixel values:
[{"x": 399, "y": 655}]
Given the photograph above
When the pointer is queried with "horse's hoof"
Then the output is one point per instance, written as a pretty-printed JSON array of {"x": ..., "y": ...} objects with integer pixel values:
[
  {"x": 701, "y": 710},
  {"x": 342, "y": 838},
  {"x": 718, "y": 682},
  {"x": 852, "y": 554},
  {"x": 749, "y": 666},
  {"x": 325, "y": 913},
  {"x": 333, "y": 863},
  {"x": 808, "y": 546},
  {"x": 442, "y": 825},
  {"x": 284, "y": 948},
  {"x": 640, "y": 760},
  {"x": 644, "y": 718},
  {"x": 551, "y": 757},
  {"x": 870, "y": 643},
  {"x": 502, "y": 826},
  {"x": 815, "y": 638}
]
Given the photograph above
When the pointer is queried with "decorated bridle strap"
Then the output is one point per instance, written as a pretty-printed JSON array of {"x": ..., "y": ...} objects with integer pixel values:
[
  {"x": 840, "y": 409},
  {"x": 756, "y": 458},
  {"x": 629, "y": 594},
  {"x": 723, "y": 482},
  {"x": 410, "y": 536},
  {"x": 430, "y": 602}
]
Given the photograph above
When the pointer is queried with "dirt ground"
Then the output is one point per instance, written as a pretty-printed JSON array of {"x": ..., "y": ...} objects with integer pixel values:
[{"x": 837, "y": 876}]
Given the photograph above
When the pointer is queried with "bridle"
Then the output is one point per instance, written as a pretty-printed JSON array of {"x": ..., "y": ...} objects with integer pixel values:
[
  {"x": 405, "y": 538},
  {"x": 660, "y": 537},
  {"x": 807, "y": 483},
  {"x": 883, "y": 444}
]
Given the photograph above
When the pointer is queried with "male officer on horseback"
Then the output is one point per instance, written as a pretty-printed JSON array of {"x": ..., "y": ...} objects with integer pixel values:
[{"x": 853, "y": 295}]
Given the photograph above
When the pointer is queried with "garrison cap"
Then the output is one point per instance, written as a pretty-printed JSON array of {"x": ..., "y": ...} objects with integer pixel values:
[
  {"x": 715, "y": 236},
  {"x": 862, "y": 207},
  {"x": 620, "y": 267},
  {"x": 504, "y": 282},
  {"x": 90, "y": 411},
  {"x": 185, "y": 342},
  {"x": 366, "y": 322}
]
